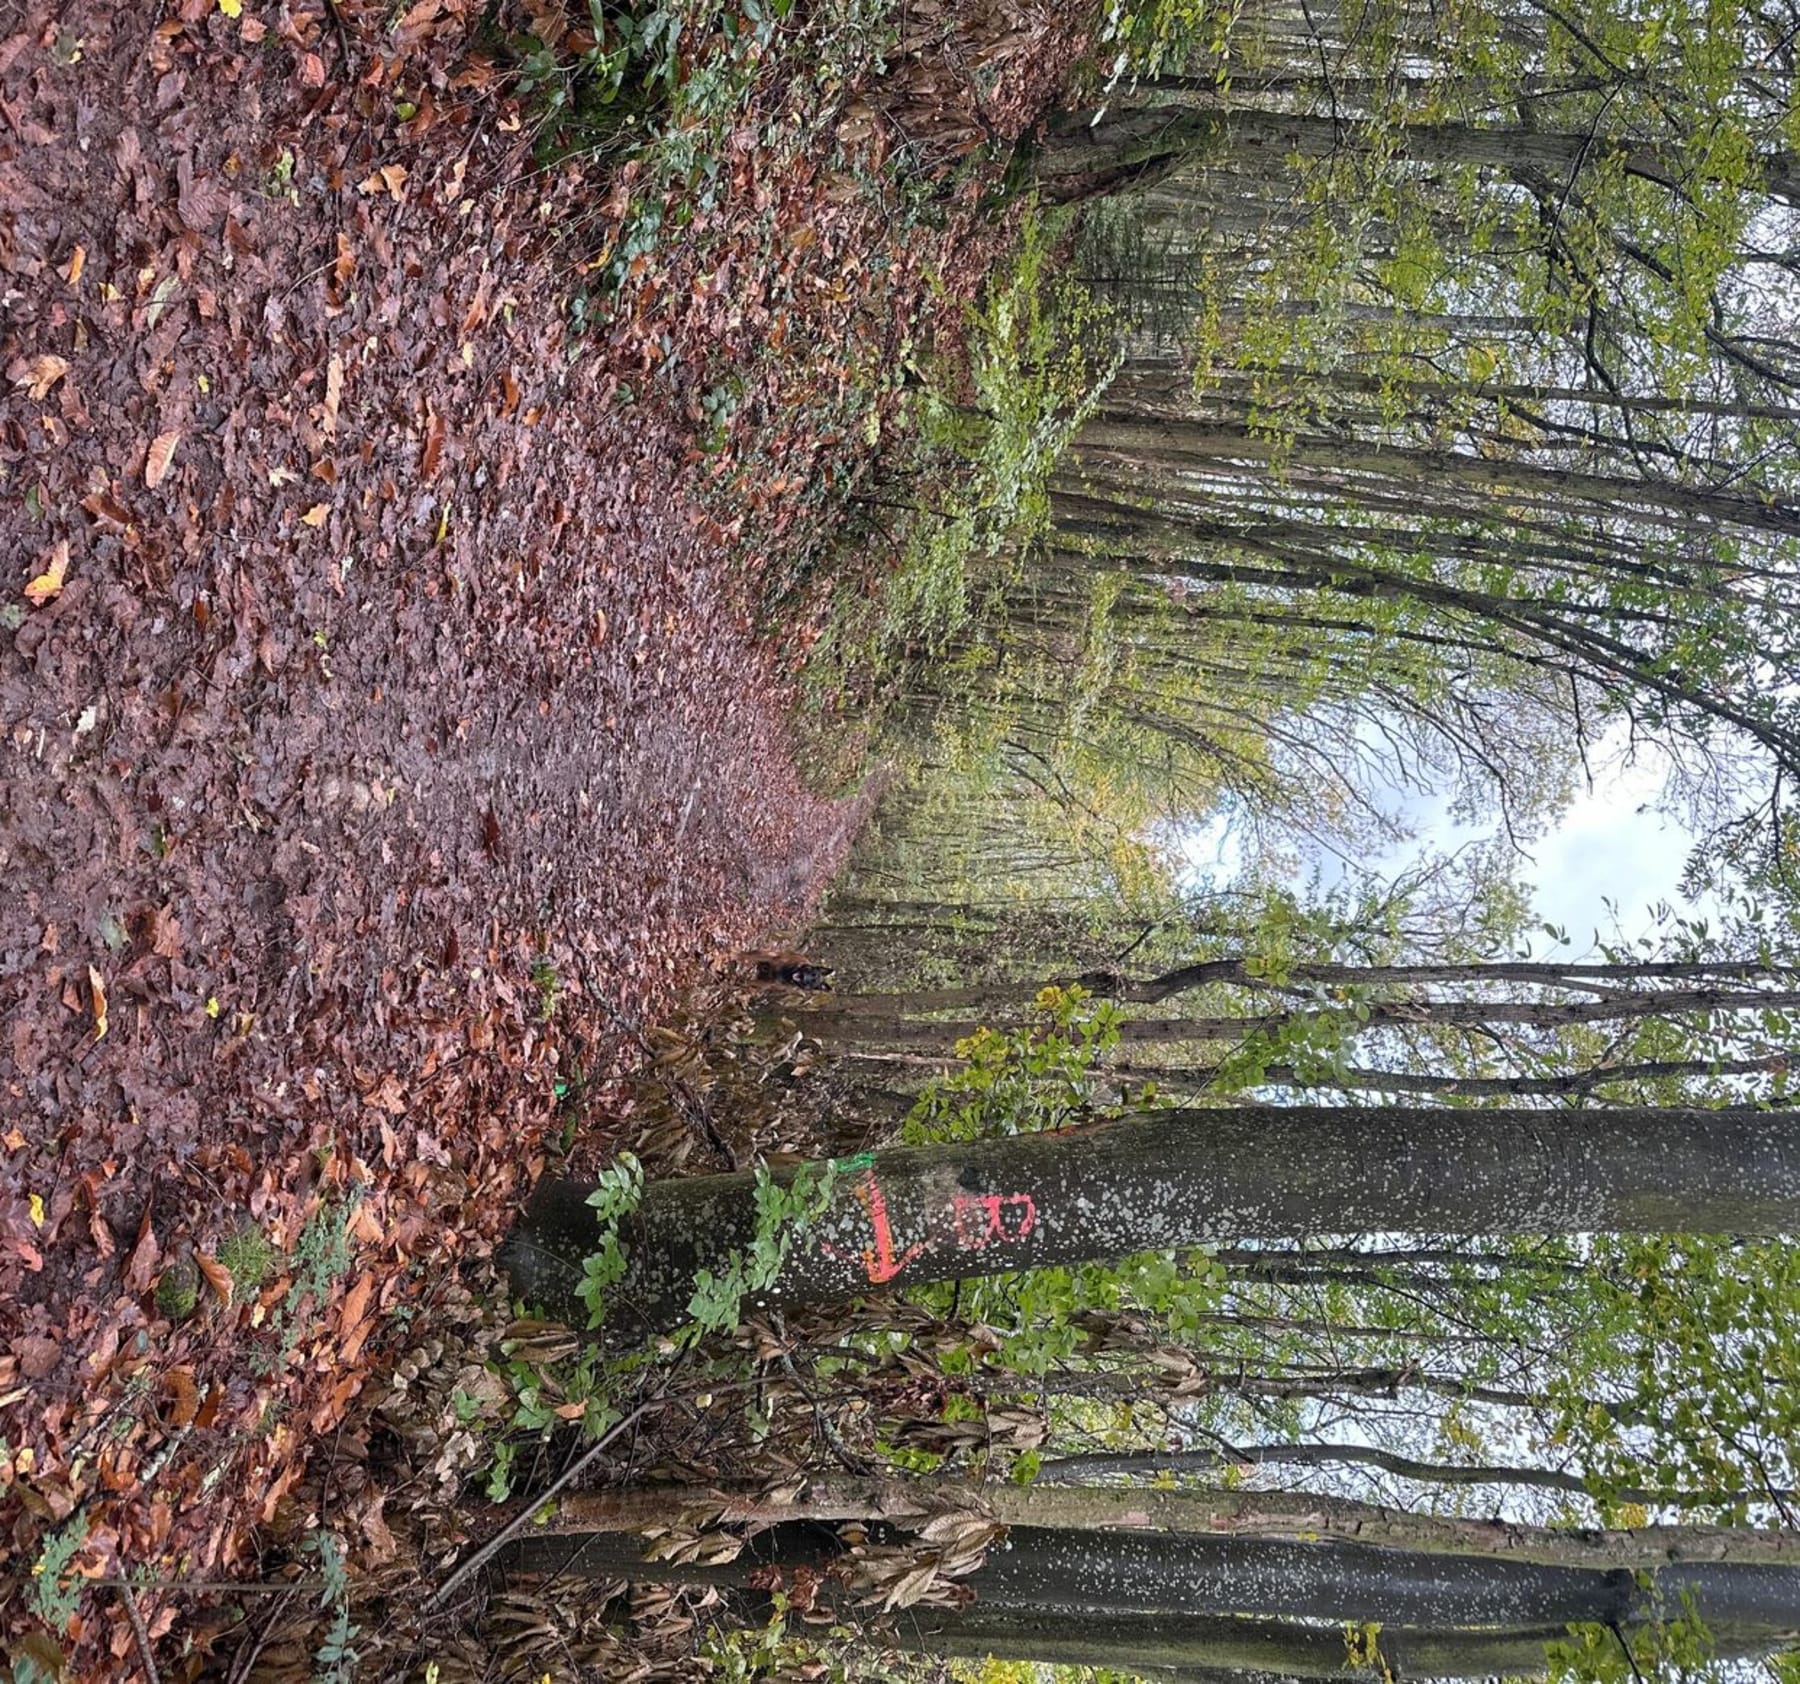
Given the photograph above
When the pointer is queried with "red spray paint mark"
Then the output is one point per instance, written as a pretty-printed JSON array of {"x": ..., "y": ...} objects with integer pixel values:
[
  {"x": 995, "y": 1210},
  {"x": 1005, "y": 1217},
  {"x": 878, "y": 1261}
]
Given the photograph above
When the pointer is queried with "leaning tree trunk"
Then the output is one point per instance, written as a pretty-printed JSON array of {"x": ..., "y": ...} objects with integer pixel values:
[
  {"x": 1186, "y": 1178},
  {"x": 1183, "y": 1579},
  {"x": 1191, "y": 1512},
  {"x": 1197, "y": 1648}
]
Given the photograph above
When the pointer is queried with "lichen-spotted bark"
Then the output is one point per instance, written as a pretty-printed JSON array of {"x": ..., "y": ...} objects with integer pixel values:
[
  {"x": 1197, "y": 1648},
  {"x": 1190, "y": 1583},
  {"x": 1185, "y": 1178}
]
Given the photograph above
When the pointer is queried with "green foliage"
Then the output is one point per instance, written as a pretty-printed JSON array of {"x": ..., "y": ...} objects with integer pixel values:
[
  {"x": 55, "y": 1593},
  {"x": 615, "y": 1196},
  {"x": 178, "y": 1289},
  {"x": 1027, "y": 1080},
  {"x": 1038, "y": 358},
  {"x": 599, "y": 84},
  {"x": 548, "y": 983},
  {"x": 1021, "y": 1081},
  {"x": 668, "y": 82},
  {"x": 29, "y": 1669},
  {"x": 1153, "y": 37},
  {"x": 335, "y": 1659},
  {"x": 321, "y": 1257},
  {"x": 1698, "y": 1340},
  {"x": 783, "y": 1214},
  {"x": 1679, "y": 1647},
  {"x": 772, "y": 1652}
]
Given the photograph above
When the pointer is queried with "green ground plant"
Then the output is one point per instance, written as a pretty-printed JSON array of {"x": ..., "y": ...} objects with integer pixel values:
[
  {"x": 984, "y": 430},
  {"x": 246, "y": 1255},
  {"x": 55, "y": 1594}
]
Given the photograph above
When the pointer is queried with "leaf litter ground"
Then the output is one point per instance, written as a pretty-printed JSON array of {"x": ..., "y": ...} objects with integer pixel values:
[{"x": 385, "y": 735}]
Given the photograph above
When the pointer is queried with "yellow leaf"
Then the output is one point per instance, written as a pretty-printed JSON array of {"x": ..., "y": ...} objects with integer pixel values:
[
  {"x": 315, "y": 516},
  {"x": 37, "y": 1210},
  {"x": 48, "y": 584},
  {"x": 213, "y": 1007},
  {"x": 232, "y": 8},
  {"x": 98, "y": 985}
]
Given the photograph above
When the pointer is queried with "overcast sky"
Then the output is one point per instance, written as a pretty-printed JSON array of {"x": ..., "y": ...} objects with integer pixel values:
[{"x": 1611, "y": 843}]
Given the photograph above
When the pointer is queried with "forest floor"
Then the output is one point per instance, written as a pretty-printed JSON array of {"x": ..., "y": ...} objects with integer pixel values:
[{"x": 388, "y": 728}]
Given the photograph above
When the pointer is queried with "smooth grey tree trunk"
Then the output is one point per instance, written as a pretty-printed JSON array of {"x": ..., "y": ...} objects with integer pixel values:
[
  {"x": 1188, "y": 1583},
  {"x": 1187, "y": 1178},
  {"x": 1177, "y": 1648}
]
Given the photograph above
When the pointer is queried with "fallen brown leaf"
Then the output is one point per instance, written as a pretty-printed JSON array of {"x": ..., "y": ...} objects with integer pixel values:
[
  {"x": 334, "y": 388},
  {"x": 161, "y": 454},
  {"x": 389, "y": 179},
  {"x": 37, "y": 374},
  {"x": 47, "y": 586},
  {"x": 98, "y": 984},
  {"x": 434, "y": 447},
  {"x": 37, "y": 1355},
  {"x": 216, "y": 1275},
  {"x": 181, "y": 1397},
  {"x": 315, "y": 516},
  {"x": 140, "y": 1266}
]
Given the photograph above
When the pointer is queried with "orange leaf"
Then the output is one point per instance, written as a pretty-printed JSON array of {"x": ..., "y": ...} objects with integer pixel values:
[
  {"x": 48, "y": 585},
  {"x": 217, "y": 1276},
  {"x": 389, "y": 179},
  {"x": 356, "y": 1301},
  {"x": 161, "y": 454},
  {"x": 181, "y": 1397},
  {"x": 334, "y": 391},
  {"x": 77, "y": 261}
]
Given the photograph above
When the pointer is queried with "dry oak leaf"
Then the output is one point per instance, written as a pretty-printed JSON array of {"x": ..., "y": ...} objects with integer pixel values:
[
  {"x": 47, "y": 586},
  {"x": 161, "y": 454},
  {"x": 180, "y": 1397},
  {"x": 334, "y": 391},
  {"x": 315, "y": 516},
  {"x": 216, "y": 1275},
  {"x": 37, "y": 374},
  {"x": 140, "y": 1266},
  {"x": 37, "y": 1355},
  {"x": 98, "y": 984},
  {"x": 389, "y": 179}
]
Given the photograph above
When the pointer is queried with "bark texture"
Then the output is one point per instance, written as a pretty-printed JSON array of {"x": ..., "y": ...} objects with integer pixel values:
[{"x": 1187, "y": 1178}]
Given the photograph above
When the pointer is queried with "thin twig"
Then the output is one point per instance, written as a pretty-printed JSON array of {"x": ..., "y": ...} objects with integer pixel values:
[
  {"x": 224, "y": 1587},
  {"x": 140, "y": 1631},
  {"x": 522, "y": 1519},
  {"x": 534, "y": 1505}
]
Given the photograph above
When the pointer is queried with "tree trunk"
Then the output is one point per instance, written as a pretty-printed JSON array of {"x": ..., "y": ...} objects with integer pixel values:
[
  {"x": 1137, "y": 145},
  {"x": 1272, "y": 1516},
  {"x": 1137, "y": 1464},
  {"x": 1184, "y": 1577},
  {"x": 1181, "y": 1179},
  {"x": 1182, "y": 1648}
]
